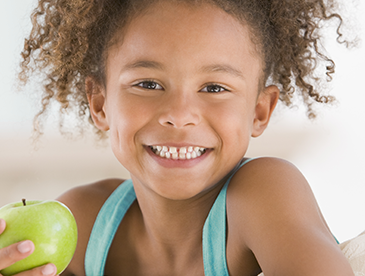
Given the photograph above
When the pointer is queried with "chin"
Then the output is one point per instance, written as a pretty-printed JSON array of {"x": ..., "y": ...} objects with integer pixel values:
[{"x": 180, "y": 190}]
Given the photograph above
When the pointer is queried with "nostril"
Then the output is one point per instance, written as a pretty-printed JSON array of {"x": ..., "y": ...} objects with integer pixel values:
[{"x": 177, "y": 118}]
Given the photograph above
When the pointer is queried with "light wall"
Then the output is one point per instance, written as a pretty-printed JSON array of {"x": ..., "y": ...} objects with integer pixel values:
[{"x": 329, "y": 151}]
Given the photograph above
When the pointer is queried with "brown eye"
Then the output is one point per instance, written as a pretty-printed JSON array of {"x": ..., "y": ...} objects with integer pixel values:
[
  {"x": 213, "y": 88},
  {"x": 151, "y": 85}
]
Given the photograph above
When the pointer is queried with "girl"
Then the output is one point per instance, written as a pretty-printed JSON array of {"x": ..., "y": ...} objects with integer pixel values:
[{"x": 180, "y": 87}]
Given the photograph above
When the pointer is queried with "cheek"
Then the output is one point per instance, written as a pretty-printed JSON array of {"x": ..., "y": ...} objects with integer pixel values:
[
  {"x": 233, "y": 125},
  {"x": 127, "y": 113},
  {"x": 128, "y": 116},
  {"x": 234, "y": 117},
  {"x": 121, "y": 125}
]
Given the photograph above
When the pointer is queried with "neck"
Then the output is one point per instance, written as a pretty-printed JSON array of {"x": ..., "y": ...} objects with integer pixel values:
[{"x": 173, "y": 225}]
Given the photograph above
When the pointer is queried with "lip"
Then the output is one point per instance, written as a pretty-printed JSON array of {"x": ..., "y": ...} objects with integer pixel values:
[{"x": 180, "y": 163}]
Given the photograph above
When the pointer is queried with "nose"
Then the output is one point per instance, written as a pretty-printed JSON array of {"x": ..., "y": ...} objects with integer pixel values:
[{"x": 179, "y": 110}]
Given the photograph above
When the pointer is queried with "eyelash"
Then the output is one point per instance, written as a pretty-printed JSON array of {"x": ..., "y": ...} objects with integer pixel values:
[
  {"x": 149, "y": 82},
  {"x": 221, "y": 88},
  {"x": 140, "y": 84}
]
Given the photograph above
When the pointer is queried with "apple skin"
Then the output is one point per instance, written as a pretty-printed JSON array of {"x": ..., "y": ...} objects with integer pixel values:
[{"x": 50, "y": 225}]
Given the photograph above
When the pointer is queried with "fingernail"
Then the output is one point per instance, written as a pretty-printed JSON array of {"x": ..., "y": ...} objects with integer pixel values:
[
  {"x": 2, "y": 223},
  {"x": 48, "y": 269},
  {"x": 25, "y": 247}
]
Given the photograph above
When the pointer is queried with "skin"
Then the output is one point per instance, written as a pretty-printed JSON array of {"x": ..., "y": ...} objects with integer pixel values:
[{"x": 273, "y": 221}]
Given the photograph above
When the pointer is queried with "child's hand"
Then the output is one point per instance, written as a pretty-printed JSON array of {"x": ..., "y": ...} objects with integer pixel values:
[{"x": 18, "y": 251}]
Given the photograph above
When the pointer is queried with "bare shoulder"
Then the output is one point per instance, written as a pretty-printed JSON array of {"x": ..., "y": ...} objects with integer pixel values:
[
  {"x": 272, "y": 211},
  {"x": 265, "y": 186},
  {"x": 267, "y": 174},
  {"x": 85, "y": 203},
  {"x": 90, "y": 195}
]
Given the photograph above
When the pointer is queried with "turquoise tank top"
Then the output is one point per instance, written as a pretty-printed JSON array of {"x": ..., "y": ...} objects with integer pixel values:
[
  {"x": 118, "y": 203},
  {"x": 116, "y": 206}
]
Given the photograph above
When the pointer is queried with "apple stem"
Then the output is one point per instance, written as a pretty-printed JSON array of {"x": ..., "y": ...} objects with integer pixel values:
[{"x": 24, "y": 204}]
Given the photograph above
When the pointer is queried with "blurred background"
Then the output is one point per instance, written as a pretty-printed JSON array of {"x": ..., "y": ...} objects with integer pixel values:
[{"x": 329, "y": 151}]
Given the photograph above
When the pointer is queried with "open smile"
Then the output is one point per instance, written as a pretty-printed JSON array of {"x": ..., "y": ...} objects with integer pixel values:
[{"x": 178, "y": 153}]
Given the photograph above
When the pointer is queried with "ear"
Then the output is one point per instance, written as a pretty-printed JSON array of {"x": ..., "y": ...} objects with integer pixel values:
[
  {"x": 96, "y": 97},
  {"x": 265, "y": 105}
]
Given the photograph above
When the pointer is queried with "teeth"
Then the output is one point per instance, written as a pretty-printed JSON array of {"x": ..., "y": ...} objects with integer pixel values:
[
  {"x": 175, "y": 155},
  {"x": 178, "y": 153}
]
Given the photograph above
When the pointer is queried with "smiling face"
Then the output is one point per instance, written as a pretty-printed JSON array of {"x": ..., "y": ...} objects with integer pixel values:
[{"x": 182, "y": 98}]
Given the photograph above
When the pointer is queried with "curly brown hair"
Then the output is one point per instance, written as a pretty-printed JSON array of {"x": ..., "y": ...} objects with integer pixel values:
[{"x": 70, "y": 38}]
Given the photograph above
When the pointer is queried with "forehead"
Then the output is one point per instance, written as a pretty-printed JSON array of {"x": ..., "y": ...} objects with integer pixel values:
[{"x": 179, "y": 31}]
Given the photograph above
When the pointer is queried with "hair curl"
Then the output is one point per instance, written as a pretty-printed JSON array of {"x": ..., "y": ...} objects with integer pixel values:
[{"x": 70, "y": 38}]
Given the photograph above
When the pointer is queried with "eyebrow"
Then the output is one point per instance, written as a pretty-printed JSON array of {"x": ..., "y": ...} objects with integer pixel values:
[
  {"x": 224, "y": 68},
  {"x": 149, "y": 64},
  {"x": 143, "y": 64}
]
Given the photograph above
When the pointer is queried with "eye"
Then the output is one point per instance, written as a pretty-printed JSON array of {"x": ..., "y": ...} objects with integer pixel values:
[
  {"x": 151, "y": 85},
  {"x": 213, "y": 88}
]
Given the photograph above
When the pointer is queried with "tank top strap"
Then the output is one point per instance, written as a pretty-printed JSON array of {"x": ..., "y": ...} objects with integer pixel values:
[
  {"x": 214, "y": 233},
  {"x": 105, "y": 227}
]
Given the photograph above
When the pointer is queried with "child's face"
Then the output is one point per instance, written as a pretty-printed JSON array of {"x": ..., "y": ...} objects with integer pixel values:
[{"x": 182, "y": 77}]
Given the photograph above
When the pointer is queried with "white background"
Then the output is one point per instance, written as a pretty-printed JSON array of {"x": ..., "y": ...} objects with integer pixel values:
[{"x": 329, "y": 151}]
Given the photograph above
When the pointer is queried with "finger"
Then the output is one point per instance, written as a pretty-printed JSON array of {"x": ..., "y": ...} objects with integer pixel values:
[
  {"x": 15, "y": 252},
  {"x": 2, "y": 225},
  {"x": 45, "y": 270}
]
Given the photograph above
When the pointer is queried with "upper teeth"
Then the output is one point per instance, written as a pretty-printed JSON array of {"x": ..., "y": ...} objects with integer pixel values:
[{"x": 178, "y": 153}]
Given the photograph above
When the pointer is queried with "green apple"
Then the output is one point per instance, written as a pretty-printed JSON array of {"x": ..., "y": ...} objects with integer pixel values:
[{"x": 49, "y": 224}]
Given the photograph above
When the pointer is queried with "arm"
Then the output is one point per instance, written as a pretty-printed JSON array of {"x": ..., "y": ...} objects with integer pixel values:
[
  {"x": 272, "y": 205},
  {"x": 85, "y": 203}
]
